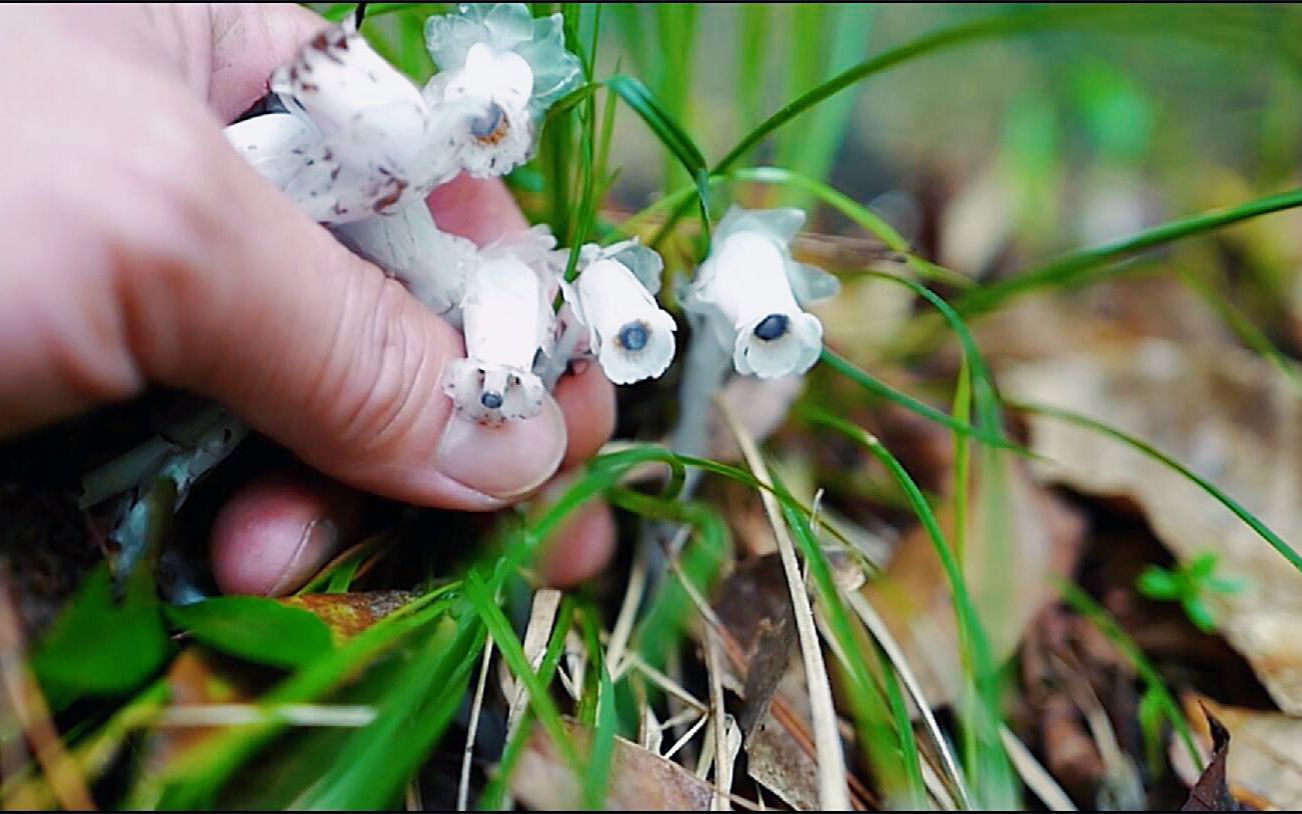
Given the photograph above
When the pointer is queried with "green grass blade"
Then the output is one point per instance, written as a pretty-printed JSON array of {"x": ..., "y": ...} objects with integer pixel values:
[
  {"x": 495, "y": 791},
  {"x": 639, "y": 98},
  {"x": 1263, "y": 531},
  {"x": 1085, "y": 605},
  {"x": 477, "y": 592},
  {"x": 849, "y": 370},
  {"x": 1071, "y": 268}
]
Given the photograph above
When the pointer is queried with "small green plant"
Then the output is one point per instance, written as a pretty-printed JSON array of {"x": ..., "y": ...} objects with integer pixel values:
[{"x": 1189, "y": 585}]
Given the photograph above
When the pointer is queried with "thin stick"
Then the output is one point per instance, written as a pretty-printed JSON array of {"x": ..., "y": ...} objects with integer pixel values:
[
  {"x": 1036, "y": 777},
  {"x": 715, "y": 671},
  {"x": 832, "y": 780},
  {"x": 472, "y": 730},
  {"x": 627, "y": 611}
]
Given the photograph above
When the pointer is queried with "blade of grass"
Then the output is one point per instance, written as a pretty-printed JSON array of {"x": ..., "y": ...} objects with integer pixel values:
[
  {"x": 1274, "y": 540},
  {"x": 477, "y": 592},
  {"x": 849, "y": 370},
  {"x": 974, "y": 642},
  {"x": 1085, "y": 605},
  {"x": 1072, "y": 268},
  {"x": 639, "y": 98},
  {"x": 494, "y": 792}
]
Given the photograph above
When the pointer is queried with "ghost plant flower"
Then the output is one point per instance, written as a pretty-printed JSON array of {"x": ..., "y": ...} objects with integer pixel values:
[
  {"x": 614, "y": 297},
  {"x": 510, "y": 67},
  {"x": 749, "y": 291},
  {"x": 507, "y": 319},
  {"x": 357, "y": 138}
]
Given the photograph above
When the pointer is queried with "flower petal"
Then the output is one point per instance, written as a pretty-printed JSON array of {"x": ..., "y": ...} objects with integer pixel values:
[
  {"x": 642, "y": 348},
  {"x": 780, "y": 344},
  {"x": 491, "y": 394}
]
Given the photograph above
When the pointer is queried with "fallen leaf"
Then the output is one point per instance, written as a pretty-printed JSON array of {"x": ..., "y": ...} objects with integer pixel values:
[
  {"x": 913, "y": 597},
  {"x": 1263, "y": 770},
  {"x": 639, "y": 780},
  {"x": 1225, "y": 414},
  {"x": 1210, "y": 792}
]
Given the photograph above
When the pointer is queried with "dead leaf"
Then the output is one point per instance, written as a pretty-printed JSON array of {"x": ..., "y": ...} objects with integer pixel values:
[
  {"x": 912, "y": 594},
  {"x": 1210, "y": 792},
  {"x": 350, "y": 613},
  {"x": 754, "y": 604},
  {"x": 1263, "y": 769},
  {"x": 639, "y": 780},
  {"x": 1227, "y": 415},
  {"x": 781, "y": 766}
]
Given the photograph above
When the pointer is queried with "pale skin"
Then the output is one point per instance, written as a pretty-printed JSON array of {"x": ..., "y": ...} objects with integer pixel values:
[{"x": 137, "y": 247}]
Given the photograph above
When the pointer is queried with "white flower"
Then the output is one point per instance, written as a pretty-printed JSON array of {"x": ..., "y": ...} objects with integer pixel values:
[
  {"x": 510, "y": 67},
  {"x": 507, "y": 320},
  {"x": 357, "y": 139},
  {"x": 407, "y": 245},
  {"x": 632, "y": 337},
  {"x": 747, "y": 291}
]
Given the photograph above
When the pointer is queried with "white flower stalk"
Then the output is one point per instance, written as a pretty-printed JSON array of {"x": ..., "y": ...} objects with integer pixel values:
[
  {"x": 631, "y": 336},
  {"x": 747, "y": 293},
  {"x": 508, "y": 67},
  {"x": 507, "y": 320},
  {"x": 433, "y": 265}
]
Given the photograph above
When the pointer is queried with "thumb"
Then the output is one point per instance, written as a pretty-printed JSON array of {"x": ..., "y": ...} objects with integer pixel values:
[{"x": 320, "y": 351}]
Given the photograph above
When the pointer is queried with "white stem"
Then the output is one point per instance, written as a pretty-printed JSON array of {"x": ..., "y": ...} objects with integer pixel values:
[{"x": 706, "y": 368}]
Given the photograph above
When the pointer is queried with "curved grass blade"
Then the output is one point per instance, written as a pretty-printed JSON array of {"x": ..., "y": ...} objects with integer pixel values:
[
  {"x": 849, "y": 370},
  {"x": 638, "y": 97},
  {"x": 1022, "y": 21},
  {"x": 1072, "y": 268},
  {"x": 1083, "y": 604},
  {"x": 1274, "y": 540},
  {"x": 975, "y": 644}
]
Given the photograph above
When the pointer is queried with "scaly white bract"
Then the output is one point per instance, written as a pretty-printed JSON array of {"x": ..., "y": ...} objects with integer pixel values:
[
  {"x": 511, "y": 67},
  {"x": 749, "y": 292}
]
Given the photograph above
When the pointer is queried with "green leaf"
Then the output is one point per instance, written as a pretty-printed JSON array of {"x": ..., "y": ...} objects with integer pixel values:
[
  {"x": 1199, "y": 614},
  {"x": 1156, "y": 582},
  {"x": 256, "y": 629},
  {"x": 101, "y": 647}
]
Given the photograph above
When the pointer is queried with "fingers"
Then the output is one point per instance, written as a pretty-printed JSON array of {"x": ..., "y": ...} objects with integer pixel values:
[
  {"x": 588, "y": 404},
  {"x": 581, "y": 548},
  {"x": 277, "y": 531}
]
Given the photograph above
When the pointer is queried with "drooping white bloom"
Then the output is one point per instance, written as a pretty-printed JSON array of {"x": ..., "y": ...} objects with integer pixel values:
[
  {"x": 507, "y": 319},
  {"x": 432, "y": 264},
  {"x": 749, "y": 291},
  {"x": 358, "y": 138},
  {"x": 614, "y": 297},
  {"x": 510, "y": 67}
]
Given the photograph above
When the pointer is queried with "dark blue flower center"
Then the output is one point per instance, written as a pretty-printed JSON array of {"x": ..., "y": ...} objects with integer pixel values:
[
  {"x": 772, "y": 327},
  {"x": 633, "y": 336},
  {"x": 486, "y": 125},
  {"x": 491, "y": 400}
]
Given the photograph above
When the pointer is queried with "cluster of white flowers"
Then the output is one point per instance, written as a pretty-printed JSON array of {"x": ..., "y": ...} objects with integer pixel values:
[{"x": 359, "y": 148}]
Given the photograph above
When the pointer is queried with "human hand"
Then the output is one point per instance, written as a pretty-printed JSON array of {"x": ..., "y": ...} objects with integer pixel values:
[{"x": 139, "y": 247}]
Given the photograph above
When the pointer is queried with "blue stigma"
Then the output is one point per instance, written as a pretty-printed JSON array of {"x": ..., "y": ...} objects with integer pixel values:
[
  {"x": 633, "y": 336},
  {"x": 772, "y": 327},
  {"x": 491, "y": 400},
  {"x": 485, "y": 125}
]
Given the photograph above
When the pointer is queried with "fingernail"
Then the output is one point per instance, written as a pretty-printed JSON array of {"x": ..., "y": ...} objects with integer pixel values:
[
  {"x": 317, "y": 543},
  {"x": 507, "y": 461}
]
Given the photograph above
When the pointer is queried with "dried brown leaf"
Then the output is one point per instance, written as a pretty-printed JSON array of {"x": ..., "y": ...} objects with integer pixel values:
[
  {"x": 639, "y": 780},
  {"x": 1227, "y": 415}
]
